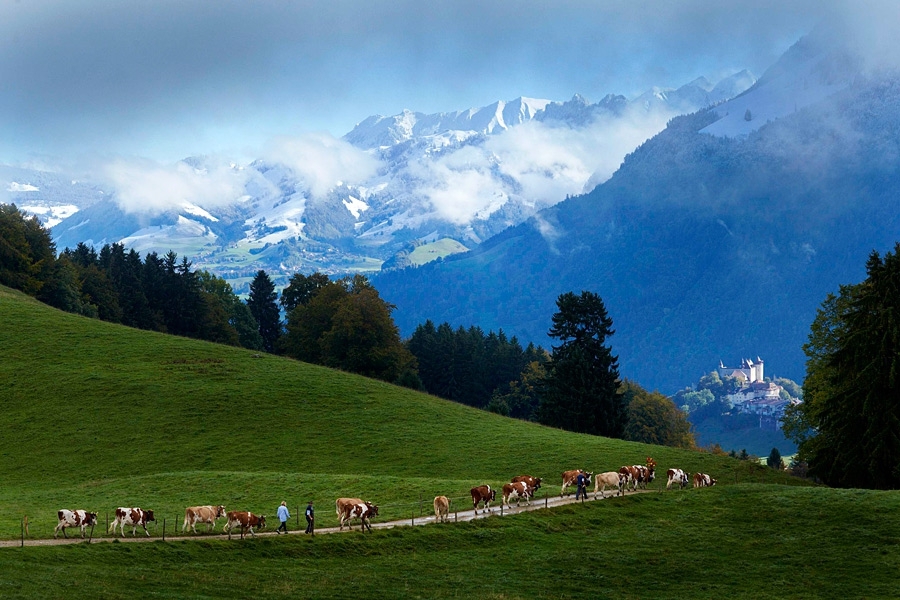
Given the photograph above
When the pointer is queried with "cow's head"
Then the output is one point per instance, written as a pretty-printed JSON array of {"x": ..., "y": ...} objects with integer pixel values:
[
  {"x": 220, "y": 511},
  {"x": 373, "y": 509},
  {"x": 493, "y": 494},
  {"x": 712, "y": 481},
  {"x": 90, "y": 518},
  {"x": 587, "y": 476},
  {"x": 148, "y": 516},
  {"x": 537, "y": 483},
  {"x": 262, "y": 522}
]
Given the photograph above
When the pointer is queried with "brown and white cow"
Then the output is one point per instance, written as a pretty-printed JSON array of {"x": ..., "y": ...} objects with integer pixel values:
[
  {"x": 74, "y": 518},
  {"x": 245, "y": 520},
  {"x": 703, "y": 480},
  {"x": 202, "y": 514},
  {"x": 612, "y": 479},
  {"x": 571, "y": 478},
  {"x": 533, "y": 482},
  {"x": 482, "y": 493},
  {"x": 631, "y": 475},
  {"x": 441, "y": 509},
  {"x": 131, "y": 517},
  {"x": 517, "y": 491},
  {"x": 678, "y": 477},
  {"x": 354, "y": 508}
]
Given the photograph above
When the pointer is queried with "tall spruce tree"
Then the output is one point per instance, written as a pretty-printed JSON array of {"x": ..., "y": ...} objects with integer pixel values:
[
  {"x": 581, "y": 392},
  {"x": 262, "y": 302},
  {"x": 848, "y": 427}
]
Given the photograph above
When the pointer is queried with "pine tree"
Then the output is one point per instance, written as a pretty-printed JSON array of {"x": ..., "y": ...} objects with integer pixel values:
[
  {"x": 581, "y": 392},
  {"x": 848, "y": 427},
  {"x": 263, "y": 306}
]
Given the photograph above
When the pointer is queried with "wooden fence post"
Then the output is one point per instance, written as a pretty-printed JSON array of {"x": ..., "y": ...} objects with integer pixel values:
[
  {"x": 298, "y": 517},
  {"x": 164, "y": 530},
  {"x": 23, "y": 533},
  {"x": 414, "y": 518},
  {"x": 456, "y": 516}
]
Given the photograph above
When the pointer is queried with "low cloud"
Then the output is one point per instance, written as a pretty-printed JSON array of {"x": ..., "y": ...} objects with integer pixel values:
[
  {"x": 145, "y": 186},
  {"x": 540, "y": 163},
  {"x": 322, "y": 161}
]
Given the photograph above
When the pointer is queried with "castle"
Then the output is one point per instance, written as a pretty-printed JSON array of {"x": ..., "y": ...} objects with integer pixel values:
[{"x": 756, "y": 395}]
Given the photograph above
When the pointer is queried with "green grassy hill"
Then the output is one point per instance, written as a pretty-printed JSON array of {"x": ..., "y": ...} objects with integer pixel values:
[{"x": 97, "y": 416}]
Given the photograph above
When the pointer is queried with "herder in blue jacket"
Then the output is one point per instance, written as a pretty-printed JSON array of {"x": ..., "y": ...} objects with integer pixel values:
[{"x": 283, "y": 516}]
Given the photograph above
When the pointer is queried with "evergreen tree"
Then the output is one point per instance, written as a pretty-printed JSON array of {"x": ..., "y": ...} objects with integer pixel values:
[
  {"x": 774, "y": 460},
  {"x": 581, "y": 392},
  {"x": 263, "y": 306},
  {"x": 847, "y": 427}
]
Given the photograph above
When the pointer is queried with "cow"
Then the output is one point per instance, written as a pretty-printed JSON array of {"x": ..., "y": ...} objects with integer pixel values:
[
  {"x": 131, "y": 517},
  {"x": 533, "y": 482},
  {"x": 354, "y": 508},
  {"x": 612, "y": 479},
  {"x": 74, "y": 518},
  {"x": 703, "y": 480},
  {"x": 678, "y": 477},
  {"x": 517, "y": 491},
  {"x": 632, "y": 476},
  {"x": 483, "y": 493},
  {"x": 202, "y": 514},
  {"x": 441, "y": 508},
  {"x": 246, "y": 521},
  {"x": 571, "y": 478}
]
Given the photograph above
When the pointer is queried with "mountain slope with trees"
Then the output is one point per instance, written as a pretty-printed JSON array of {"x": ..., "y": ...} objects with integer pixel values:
[{"x": 701, "y": 246}]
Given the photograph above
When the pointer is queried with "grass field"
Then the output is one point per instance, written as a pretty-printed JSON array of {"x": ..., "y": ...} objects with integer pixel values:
[{"x": 97, "y": 416}]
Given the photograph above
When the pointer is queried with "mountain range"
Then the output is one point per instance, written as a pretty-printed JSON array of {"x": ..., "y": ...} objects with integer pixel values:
[
  {"x": 366, "y": 201},
  {"x": 716, "y": 239}
]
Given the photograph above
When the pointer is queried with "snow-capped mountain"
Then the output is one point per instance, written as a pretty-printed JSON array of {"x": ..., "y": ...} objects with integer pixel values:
[{"x": 411, "y": 178}]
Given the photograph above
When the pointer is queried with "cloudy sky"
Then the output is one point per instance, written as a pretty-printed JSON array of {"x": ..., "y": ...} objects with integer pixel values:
[{"x": 173, "y": 78}]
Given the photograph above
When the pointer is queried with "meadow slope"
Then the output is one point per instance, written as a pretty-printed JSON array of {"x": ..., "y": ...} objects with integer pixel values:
[{"x": 96, "y": 415}]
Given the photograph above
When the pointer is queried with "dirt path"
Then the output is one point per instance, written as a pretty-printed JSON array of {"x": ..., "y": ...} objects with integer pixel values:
[{"x": 465, "y": 515}]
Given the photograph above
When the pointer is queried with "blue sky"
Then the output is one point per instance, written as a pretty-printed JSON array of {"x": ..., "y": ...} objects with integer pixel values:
[{"x": 169, "y": 79}]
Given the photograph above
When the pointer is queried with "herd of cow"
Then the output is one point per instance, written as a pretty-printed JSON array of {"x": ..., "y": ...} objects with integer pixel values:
[
  {"x": 524, "y": 486},
  {"x": 519, "y": 488}
]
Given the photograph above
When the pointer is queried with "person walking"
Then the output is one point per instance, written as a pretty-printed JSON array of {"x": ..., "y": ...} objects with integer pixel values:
[
  {"x": 283, "y": 516},
  {"x": 581, "y": 492},
  {"x": 310, "y": 518}
]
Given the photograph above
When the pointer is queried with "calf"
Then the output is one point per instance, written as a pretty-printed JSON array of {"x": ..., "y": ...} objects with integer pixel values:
[
  {"x": 610, "y": 478},
  {"x": 678, "y": 477},
  {"x": 74, "y": 518},
  {"x": 246, "y": 521},
  {"x": 441, "y": 508},
  {"x": 202, "y": 514},
  {"x": 131, "y": 517},
  {"x": 516, "y": 491},
  {"x": 482, "y": 493}
]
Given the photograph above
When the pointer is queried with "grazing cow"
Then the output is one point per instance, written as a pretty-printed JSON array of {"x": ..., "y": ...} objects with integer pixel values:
[
  {"x": 131, "y": 517},
  {"x": 533, "y": 482},
  {"x": 516, "y": 491},
  {"x": 74, "y": 518},
  {"x": 610, "y": 478},
  {"x": 703, "y": 480},
  {"x": 441, "y": 509},
  {"x": 354, "y": 508},
  {"x": 246, "y": 521},
  {"x": 677, "y": 476},
  {"x": 202, "y": 514},
  {"x": 571, "y": 477},
  {"x": 482, "y": 493}
]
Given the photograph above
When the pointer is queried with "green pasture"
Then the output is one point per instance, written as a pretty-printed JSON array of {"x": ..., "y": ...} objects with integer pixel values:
[
  {"x": 96, "y": 416},
  {"x": 737, "y": 541}
]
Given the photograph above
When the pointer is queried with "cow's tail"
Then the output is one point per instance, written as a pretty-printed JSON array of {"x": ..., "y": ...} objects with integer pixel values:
[{"x": 112, "y": 526}]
